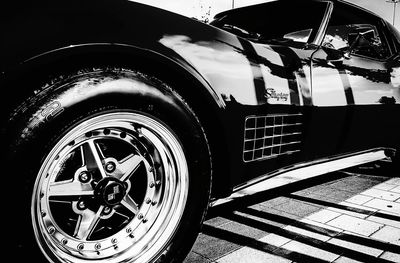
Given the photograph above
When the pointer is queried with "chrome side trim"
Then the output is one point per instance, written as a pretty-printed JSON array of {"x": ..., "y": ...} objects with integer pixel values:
[{"x": 301, "y": 171}]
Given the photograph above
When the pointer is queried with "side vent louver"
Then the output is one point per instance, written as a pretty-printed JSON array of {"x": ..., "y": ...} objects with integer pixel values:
[{"x": 271, "y": 136}]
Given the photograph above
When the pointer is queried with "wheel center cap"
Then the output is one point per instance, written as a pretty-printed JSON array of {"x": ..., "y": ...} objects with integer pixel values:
[{"x": 110, "y": 191}]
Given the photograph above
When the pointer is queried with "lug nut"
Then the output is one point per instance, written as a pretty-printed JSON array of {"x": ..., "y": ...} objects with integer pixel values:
[
  {"x": 107, "y": 210},
  {"x": 81, "y": 205},
  {"x": 151, "y": 185},
  {"x": 64, "y": 241},
  {"x": 51, "y": 230},
  {"x": 106, "y": 131},
  {"x": 140, "y": 216},
  {"x": 148, "y": 201},
  {"x": 110, "y": 167},
  {"x": 97, "y": 246},
  {"x": 84, "y": 177},
  {"x": 81, "y": 246},
  {"x": 114, "y": 241}
]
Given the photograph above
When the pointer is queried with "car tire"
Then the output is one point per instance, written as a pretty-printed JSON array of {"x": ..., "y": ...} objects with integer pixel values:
[{"x": 113, "y": 166}]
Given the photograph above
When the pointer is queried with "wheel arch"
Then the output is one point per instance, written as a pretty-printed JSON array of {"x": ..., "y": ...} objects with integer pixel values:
[{"x": 177, "y": 73}]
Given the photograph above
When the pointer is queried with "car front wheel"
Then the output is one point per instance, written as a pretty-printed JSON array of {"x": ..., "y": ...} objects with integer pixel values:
[{"x": 119, "y": 172}]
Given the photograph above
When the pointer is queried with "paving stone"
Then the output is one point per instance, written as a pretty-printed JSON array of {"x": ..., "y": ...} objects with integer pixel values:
[
  {"x": 340, "y": 195},
  {"x": 348, "y": 212},
  {"x": 391, "y": 256},
  {"x": 323, "y": 216},
  {"x": 355, "y": 225},
  {"x": 212, "y": 247},
  {"x": 196, "y": 258},
  {"x": 297, "y": 208},
  {"x": 356, "y": 247},
  {"x": 274, "y": 202},
  {"x": 395, "y": 181},
  {"x": 303, "y": 192},
  {"x": 388, "y": 213},
  {"x": 317, "y": 188},
  {"x": 366, "y": 210},
  {"x": 351, "y": 184},
  {"x": 330, "y": 230},
  {"x": 385, "y": 186},
  {"x": 388, "y": 234},
  {"x": 216, "y": 221},
  {"x": 349, "y": 233},
  {"x": 283, "y": 213},
  {"x": 311, "y": 251},
  {"x": 396, "y": 189},
  {"x": 391, "y": 207},
  {"x": 385, "y": 221},
  {"x": 385, "y": 195},
  {"x": 330, "y": 199},
  {"x": 306, "y": 233},
  {"x": 275, "y": 240},
  {"x": 244, "y": 230},
  {"x": 324, "y": 191},
  {"x": 344, "y": 259},
  {"x": 359, "y": 199},
  {"x": 312, "y": 195},
  {"x": 267, "y": 220},
  {"x": 357, "y": 184},
  {"x": 373, "y": 178},
  {"x": 250, "y": 255}
]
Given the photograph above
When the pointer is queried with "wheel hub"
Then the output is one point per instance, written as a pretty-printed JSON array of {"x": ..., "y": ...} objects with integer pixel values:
[{"x": 110, "y": 191}]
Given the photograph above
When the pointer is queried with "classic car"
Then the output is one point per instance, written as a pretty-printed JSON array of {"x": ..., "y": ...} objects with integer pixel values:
[{"x": 122, "y": 122}]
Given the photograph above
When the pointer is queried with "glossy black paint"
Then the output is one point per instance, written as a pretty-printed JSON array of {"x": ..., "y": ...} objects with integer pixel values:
[{"x": 225, "y": 77}]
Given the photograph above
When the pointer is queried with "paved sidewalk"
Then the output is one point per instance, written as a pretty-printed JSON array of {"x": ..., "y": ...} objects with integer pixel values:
[{"x": 346, "y": 216}]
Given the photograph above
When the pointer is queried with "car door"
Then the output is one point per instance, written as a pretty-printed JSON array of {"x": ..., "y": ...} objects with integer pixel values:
[
  {"x": 277, "y": 38},
  {"x": 354, "y": 82}
]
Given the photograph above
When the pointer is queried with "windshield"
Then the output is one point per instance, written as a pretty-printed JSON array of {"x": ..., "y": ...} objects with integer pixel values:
[{"x": 274, "y": 22}]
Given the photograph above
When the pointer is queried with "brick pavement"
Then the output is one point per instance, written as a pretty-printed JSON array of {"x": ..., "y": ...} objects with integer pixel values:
[{"x": 346, "y": 216}]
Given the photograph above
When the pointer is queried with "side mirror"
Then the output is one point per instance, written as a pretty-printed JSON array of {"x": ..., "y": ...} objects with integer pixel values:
[{"x": 335, "y": 57}]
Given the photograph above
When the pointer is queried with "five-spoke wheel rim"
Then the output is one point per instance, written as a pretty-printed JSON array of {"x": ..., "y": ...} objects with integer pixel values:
[{"x": 113, "y": 188}]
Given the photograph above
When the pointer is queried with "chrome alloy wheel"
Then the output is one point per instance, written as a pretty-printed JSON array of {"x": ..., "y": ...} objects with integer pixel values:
[{"x": 113, "y": 188}]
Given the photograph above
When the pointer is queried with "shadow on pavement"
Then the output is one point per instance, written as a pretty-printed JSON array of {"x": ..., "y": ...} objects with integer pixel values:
[{"x": 244, "y": 211}]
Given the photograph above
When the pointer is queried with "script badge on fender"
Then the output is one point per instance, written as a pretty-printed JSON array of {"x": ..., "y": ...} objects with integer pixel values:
[{"x": 276, "y": 97}]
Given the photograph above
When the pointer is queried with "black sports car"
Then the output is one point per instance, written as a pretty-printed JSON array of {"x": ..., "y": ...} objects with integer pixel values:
[{"x": 120, "y": 121}]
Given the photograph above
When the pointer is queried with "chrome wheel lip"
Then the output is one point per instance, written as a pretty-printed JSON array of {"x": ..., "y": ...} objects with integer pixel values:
[{"x": 162, "y": 224}]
